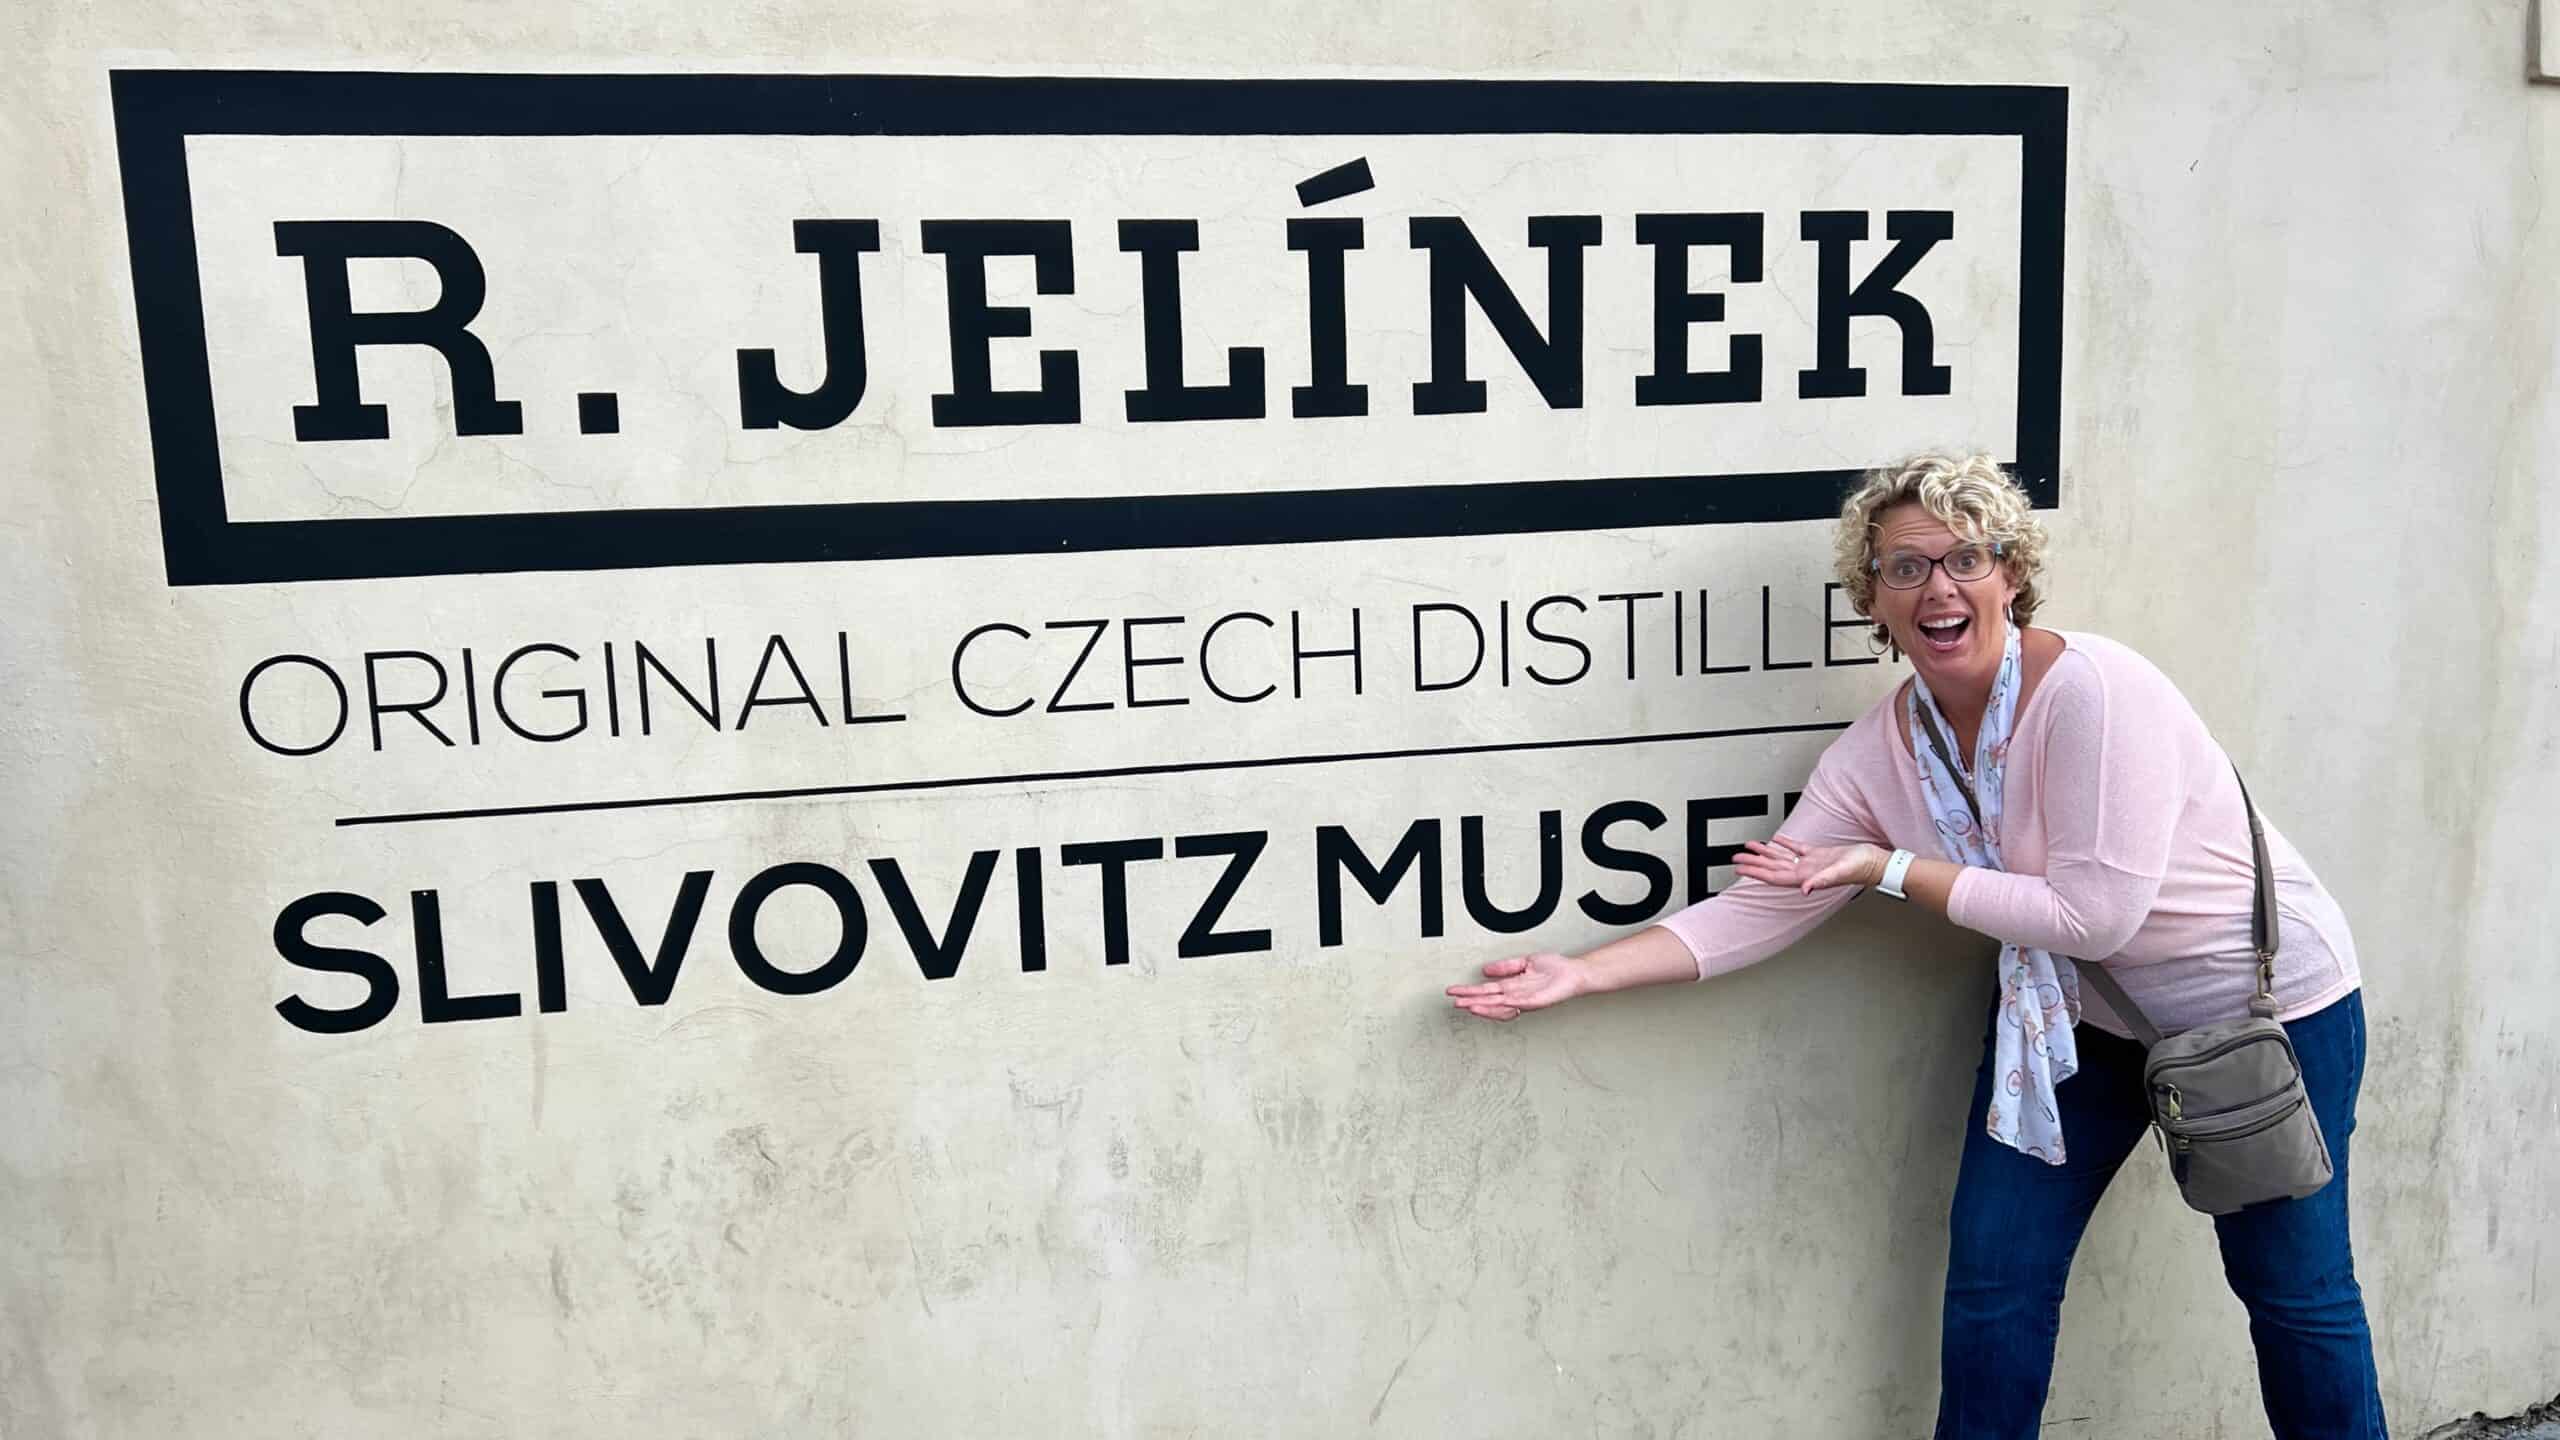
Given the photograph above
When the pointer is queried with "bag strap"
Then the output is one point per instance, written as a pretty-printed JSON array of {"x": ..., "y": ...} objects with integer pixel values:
[
  {"x": 2262, "y": 913},
  {"x": 2262, "y": 938},
  {"x": 2262, "y": 908},
  {"x": 1938, "y": 742},
  {"x": 2095, "y": 976}
]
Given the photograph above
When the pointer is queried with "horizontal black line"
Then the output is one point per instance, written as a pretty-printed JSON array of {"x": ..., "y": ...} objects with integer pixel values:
[
  {"x": 376, "y": 547},
  {"x": 1114, "y": 772},
  {"x": 373, "y": 546},
  {"x": 321, "y": 102}
]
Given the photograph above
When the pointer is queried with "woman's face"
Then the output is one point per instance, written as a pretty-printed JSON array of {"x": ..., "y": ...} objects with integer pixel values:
[{"x": 1954, "y": 631}]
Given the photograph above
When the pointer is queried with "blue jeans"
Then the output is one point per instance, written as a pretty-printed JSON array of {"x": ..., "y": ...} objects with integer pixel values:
[{"x": 2016, "y": 1221}]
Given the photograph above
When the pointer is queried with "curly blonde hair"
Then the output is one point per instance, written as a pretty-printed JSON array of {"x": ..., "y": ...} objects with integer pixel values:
[{"x": 1969, "y": 494}]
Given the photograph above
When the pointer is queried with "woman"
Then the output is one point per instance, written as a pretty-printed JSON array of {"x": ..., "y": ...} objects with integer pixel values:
[{"x": 2112, "y": 830}]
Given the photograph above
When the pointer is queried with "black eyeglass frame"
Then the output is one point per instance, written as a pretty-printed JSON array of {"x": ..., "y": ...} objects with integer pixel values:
[{"x": 1938, "y": 562}]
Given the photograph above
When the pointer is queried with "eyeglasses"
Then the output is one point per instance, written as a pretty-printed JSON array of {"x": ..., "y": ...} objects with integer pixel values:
[{"x": 1909, "y": 569}]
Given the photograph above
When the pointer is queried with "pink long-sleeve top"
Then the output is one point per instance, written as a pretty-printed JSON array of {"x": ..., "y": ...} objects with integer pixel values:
[{"x": 2125, "y": 842}]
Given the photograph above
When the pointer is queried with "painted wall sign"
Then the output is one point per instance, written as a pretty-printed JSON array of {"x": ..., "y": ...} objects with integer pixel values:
[
  {"x": 443, "y": 324},
  {"x": 1541, "y": 349}
]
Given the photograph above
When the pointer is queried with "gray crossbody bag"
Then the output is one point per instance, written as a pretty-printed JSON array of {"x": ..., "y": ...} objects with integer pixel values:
[{"x": 2227, "y": 1098}]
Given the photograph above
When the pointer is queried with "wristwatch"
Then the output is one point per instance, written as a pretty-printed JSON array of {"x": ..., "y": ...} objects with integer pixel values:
[{"x": 1894, "y": 870}]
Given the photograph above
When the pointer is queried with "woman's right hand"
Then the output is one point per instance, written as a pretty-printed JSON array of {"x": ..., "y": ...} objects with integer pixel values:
[{"x": 1520, "y": 984}]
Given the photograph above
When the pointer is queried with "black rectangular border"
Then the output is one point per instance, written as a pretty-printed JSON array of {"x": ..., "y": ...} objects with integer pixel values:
[{"x": 155, "y": 110}]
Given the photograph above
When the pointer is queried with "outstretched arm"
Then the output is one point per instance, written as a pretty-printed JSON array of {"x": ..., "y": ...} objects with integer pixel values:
[
  {"x": 1651, "y": 956},
  {"x": 2115, "y": 782},
  {"x": 1746, "y": 923},
  {"x": 1929, "y": 883},
  {"x": 2111, "y": 797}
]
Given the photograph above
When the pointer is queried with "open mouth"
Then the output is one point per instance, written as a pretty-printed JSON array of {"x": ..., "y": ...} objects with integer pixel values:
[{"x": 1946, "y": 633}]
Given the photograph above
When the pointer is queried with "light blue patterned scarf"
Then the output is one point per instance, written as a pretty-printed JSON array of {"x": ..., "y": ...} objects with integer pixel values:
[{"x": 2034, "y": 1049}]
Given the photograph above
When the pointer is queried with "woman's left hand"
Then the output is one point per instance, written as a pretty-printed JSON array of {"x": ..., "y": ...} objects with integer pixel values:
[{"x": 1781, "y": 861}]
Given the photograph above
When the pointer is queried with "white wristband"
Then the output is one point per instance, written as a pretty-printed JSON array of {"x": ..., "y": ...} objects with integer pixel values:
[{"x": 1894, "y": 870}]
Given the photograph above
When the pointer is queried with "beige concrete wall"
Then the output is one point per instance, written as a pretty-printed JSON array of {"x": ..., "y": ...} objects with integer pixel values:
[{"x": 2309, "y": 410}]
